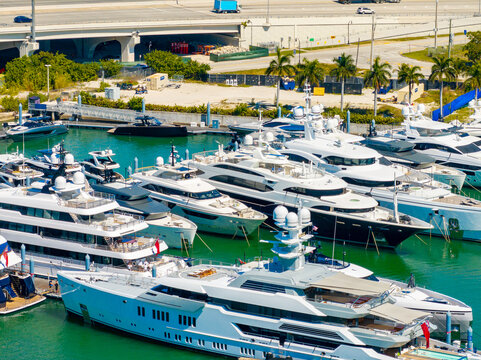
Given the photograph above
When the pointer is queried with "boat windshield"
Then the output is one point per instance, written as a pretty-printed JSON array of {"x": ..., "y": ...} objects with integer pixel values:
[
  {"x": 338, "y": 160},
  {"x": 212, "y": 194},
  {"x": 469, "y": 148},
  {"x": 433, "y": 132}
]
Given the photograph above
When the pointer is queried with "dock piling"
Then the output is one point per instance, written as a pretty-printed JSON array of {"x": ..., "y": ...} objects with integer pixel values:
[
  {"x": 32, "y": 267},
  {"x": 20, "y": 114},
  {"x": 348, "y": 122},
  {"x": 22, "y": 255},
  {"x": 448, "y": 327}
]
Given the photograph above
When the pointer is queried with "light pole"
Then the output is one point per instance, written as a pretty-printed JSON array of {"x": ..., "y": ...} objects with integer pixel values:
[
  {"x": 267, "y": 15},
  {"x": 349, "y": 23},
  {"x": 436, "y": 27},
  {"x": 373, "y": 27},
  {"x": 48, "y": 81}
]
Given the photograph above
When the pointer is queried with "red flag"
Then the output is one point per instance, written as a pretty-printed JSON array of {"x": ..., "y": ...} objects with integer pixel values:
[
  {"x": 157, "y": 246},
  {"x": 425, "y": 328},
  {"x": 5, "y": 255}
]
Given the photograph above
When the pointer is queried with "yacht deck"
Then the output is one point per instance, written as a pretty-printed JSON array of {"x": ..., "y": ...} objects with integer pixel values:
[
  {"x": 18, "y": 303},
  {"x": 458, "y": 200}
]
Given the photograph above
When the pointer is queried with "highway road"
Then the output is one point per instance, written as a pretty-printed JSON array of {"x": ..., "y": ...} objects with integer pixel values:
[{"x": 85, "y": 11}]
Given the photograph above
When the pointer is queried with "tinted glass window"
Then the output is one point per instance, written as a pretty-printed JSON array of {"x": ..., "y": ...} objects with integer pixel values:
[{"x": 254, "y": 185}]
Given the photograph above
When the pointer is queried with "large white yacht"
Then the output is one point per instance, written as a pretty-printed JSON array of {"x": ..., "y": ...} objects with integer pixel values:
[
  {"x": 178, "y": 186},
  {"x": 263, "y": 178},
  {"x": 14, "y": 171},
  {"x": 50, "y": 160},
  {"x": 473, "y": 126},
  {"x": 442, "y": 142},
  {"x": 60, "y": 223},
  {"x": 408, "y": 295},
  {"x": 414, "y": 193},
  {"x": 257, "y": 310}
]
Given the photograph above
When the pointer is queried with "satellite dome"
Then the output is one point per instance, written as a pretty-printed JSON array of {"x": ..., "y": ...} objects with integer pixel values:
[
  {"x": 69, "y": 159},
  {"x": 331, "y": 124},
  {"x": 280, "y": 213},
  {"x": 78, "y": 178},
  {"x": 405, "y": 111},
  {"x": 269, "y": 136},
  {"x": 159, "y": 161},
  {"x": 298, "y": 112},
  {"x": 421, "y": 108},
  {"x": 316, "y": 109},
  {"x": 54, "y": 159},
  {"x": 305, "y": 215},
  {"x": 248, "y": 140},
  {"x": 60, "y": 183},
  {"x": 292, "y": 220}
]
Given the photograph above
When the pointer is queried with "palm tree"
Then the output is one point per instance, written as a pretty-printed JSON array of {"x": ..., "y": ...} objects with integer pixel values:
[
  {"x": 474, "y": 79},
  {"x": 442, "y": 70},
  {"x": 280, "y": 66},
  {"x": 459, "y": 66},
  {"x": 344, "y": 69},
  {"x": 409, "y": 75},
  {"x": 311, "y": 71},
  {"x": 377, "y": 77}
]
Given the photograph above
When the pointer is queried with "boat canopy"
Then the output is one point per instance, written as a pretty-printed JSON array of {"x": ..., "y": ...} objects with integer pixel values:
[
  {"x": 351, "y": 285},
  {"x": 397, "y": 313}
]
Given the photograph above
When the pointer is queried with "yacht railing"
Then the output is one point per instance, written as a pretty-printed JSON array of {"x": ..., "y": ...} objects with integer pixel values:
[
  {"x": 132, "y": 244},
  {"x": 145, "y": 168},
  {"x": 96, "y": 199}
]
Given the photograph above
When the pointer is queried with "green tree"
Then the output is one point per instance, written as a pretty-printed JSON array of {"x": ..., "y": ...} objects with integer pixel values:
[
  {"x": 310, "y": 71},
  {"x": 377, "y": 76},
  {"x": 473, "y": 47},
  {"x": 111, "y": 67},
  {"x": 280, "y": 66},
  {"x": 442, "y": 70},
  {"x": 410, "y": 75},
  {"x": 166, "y": 62},
  {"x": 459, "y": 66},
  {"x": 474, "y": 79},
  {"x": 344, "y": 69}
]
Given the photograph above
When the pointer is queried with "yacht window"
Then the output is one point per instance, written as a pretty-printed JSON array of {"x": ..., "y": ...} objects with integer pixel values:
[
  {"x": 426, "y": 146},
  {"x": 232, "y": 180},
  {"x": 369, "y": 183},
  {"x": 315, "y": 192},
  {"x": 297, "y": 158},
  {"x": 235, "y": 168},
  {"x": 460, "y": 166},
  {"x": 385, "y": 161},
  {"x": 469, "y": 148},
  {"x": 352, "y": 211},
  {"x": 338, "y": 160},
  {"x": 273, "y": 124},
  {"x": 212, "y": 194},
  {"x": 264, "y": 287}
]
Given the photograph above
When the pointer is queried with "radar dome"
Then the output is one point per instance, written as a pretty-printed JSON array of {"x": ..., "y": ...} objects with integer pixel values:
[
  {"x": 78, "y": 178},
  {"x": 331, "y": 124},
  {"x": 280, "y": 213},
  {"x": 159, "y": 161},
  {"x": 269, "y": 136},
  {"x": 60, "y": 182},
  {"x": 69, "y": 159},
  {"x": 305, "y": 215},
  {"x": 292, "y": 220},
  {"x": 405, "y": 111},
  {"x": 248, "y": 140},
  {"x": 316, "y": 109},
  {"x": 298, "y": 112},
  {"x": 421, "y": 108},
  {"x": 54, "y": 159}
]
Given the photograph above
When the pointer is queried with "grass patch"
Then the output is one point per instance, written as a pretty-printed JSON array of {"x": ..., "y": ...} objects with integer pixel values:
[
  {"x": 457, "y": 51},
  {"x": 461, "y": 115},
  {"x": 261, "y": 71}
]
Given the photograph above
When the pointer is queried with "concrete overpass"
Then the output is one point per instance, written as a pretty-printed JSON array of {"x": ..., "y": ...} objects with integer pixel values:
[{"x": 288, "y": 23}]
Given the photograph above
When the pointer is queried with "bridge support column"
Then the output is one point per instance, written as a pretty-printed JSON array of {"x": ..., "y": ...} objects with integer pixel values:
[
  {"x": 27, "y": 47},
  {"x": 127, "y": 46}
]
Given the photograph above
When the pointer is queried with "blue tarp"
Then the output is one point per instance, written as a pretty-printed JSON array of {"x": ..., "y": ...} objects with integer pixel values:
[
  {"x": 27, "y": 286},
  {"x": 454, "y": 105},
  {"x": 6, "y": 284}
]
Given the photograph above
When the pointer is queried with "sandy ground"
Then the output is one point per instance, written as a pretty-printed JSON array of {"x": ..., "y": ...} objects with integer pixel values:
[{"x": 198, "y": 94}]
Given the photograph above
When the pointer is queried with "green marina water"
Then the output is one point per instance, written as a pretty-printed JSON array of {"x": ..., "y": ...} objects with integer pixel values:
[{"x": 44, "y": 332}]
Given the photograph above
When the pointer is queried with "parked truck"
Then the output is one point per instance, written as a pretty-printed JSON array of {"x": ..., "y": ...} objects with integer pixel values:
[{"x": 226, "y": 6}]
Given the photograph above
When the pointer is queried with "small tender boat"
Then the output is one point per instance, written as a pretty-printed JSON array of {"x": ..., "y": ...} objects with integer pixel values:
[
  {"x": 17, "y": 290},
  {"x": 40, "y": 126},
  {"x": 149, "y": 126},
  {"x": 100, "y": 167}
]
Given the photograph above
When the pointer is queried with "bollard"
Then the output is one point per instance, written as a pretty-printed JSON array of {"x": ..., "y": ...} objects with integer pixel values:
[
  {"x": 207, "y": 120},
  {"x": 348, "y": 122},
  {"x": 136, "y": 164},
  {"x": 143, "y": 106},
  {"x": 154, "y": 271},
  {"x": 20, "y": 114},
  {"x": 186, "y": 154},
  {"x": 32, "y": 267},
  {"x": 129, "y": 171},
  {"x": 470, "y": 339},
  {"x": 22, "y": 255},
  {"x": 279, "y": 112},
  {"x": 448, "y": 327},
  {"x": 87, "y": 262}
]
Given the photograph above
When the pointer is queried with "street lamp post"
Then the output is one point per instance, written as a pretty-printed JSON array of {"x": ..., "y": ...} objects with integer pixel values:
[
  {"x": 436, "y": 27},
  {"x": 349, "y": 23},
  {"x": 373, "y": 27},
  {"x": 48, "y": 81}
]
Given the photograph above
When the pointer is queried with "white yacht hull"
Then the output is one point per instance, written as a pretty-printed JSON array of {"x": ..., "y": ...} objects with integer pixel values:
[
  {"x": 215, "y": 329},
  {"x": 453, "y": 180}
]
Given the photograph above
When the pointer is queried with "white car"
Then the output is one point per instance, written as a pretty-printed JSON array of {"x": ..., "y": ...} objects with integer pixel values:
[{"x": 364, "y": 10}]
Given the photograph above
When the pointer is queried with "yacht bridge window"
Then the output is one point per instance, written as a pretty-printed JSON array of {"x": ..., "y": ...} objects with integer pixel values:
[
  {"x": 370, "y": 183},
  {"x": 469, "y": 148},
  {"x": 211, "y": 194},
  {"x": 339, "y": 160},
  {"x": 237, "y": 169},
  {"x": 427, "y": 146},
  {"x": 250, "y": 184},
  {"x": 315, "y": 192}
]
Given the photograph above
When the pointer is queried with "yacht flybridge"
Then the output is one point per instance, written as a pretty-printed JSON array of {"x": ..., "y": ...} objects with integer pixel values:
[
  {"x": 442, "y": 142},
  {"x": 61, "y": 222},
  {"x": 14, "y": 171},
  {"x": 282, "y": 307},
  {"x": 393, "y": 186},
  {"x": 178, "y": 186},
  {"x": 264, "y": 178},
  {"x": 101, "y": 167},
  {"x": 50, "y": 160}
]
